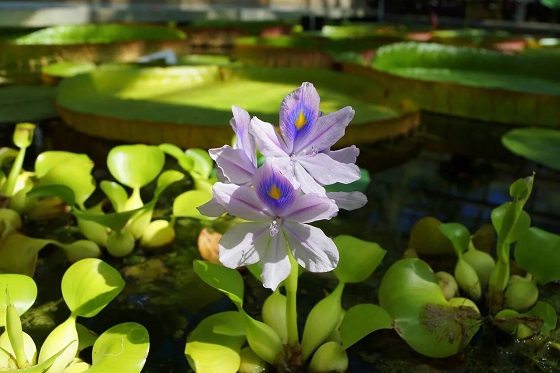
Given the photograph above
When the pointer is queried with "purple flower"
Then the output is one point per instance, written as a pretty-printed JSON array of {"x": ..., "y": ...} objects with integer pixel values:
[
  {"x": 278, "y": 214},
  {"x": 236, "y": 164},
  {"x": 302, "y": 149}
]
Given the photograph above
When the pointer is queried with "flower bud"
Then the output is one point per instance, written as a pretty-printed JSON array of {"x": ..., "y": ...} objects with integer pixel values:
[
  {"x": 523, "y": 331},
  {"x": 521, "y": 294},
  {"x": 502, "y": 322},
  {"x": 482, "y": 262},
  {"x": 157, "y": 234},
  {"x": 263, "y": 340},
  {"x": 447, "y": 284},
  {"x": 274, "y": 315},
  {"x": 251, "y": 362},
  {"x": 467, "y": 279},
  {"x": 464, "y": 302},
  {"x": 120, "y": 243},
  {"x": 329, "y": 357},
  {"x": 322, "y": 319},
  {"x": 23, "y": 135}
]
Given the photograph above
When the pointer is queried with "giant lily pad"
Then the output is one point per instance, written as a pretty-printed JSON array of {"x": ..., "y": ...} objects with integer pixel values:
[
  {"x": 190, "y": 106},
  {"x": 472, "y": 83},
  {"x": 541, "y": 145},
  {"x": 22, "y": 57},
  {"x": 26, "y": 103}
]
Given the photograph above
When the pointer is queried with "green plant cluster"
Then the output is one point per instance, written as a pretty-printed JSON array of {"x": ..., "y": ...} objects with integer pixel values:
[{"x": 88, "y": 286}]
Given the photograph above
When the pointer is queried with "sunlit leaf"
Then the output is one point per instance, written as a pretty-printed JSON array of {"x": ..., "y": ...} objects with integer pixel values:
[
  {"x": 122, "y": 348},
  {"x": 64, "y": 334},
  {"x": 63, "y": 192},
  {"x": 538, "y": 252},
  {"x": 89, "y": 285},
  {"x": 19, "y": 253},
  {"x": 201, "y": 161},
  {"x": 215, "y": 343},
  {"x": 185, "y": 204},
  {"x": 22, "y": 290},
  {"x": 357, "y": 258},
  {"x": 135, "y": 165},
  {"x": 361, "y": 320},
  {"x": 227, "y": 280}
]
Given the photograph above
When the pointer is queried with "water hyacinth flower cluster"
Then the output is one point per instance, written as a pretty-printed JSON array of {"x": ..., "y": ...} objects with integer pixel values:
[{"x": 280, "y": 197}]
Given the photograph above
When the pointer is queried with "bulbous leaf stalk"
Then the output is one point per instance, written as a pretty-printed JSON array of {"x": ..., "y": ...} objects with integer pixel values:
[{"x": 23, "y": 137}]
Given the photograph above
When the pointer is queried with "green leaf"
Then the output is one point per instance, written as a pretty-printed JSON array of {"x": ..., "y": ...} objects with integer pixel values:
[
  {"x": 215, "y": 343},
  {"x": 6, "y": 347},
  {"x": 64, "y": 334},
  {"x": 459, "y": 236},
  {"x": 135, "y": 165},
  {"x": 201, "y": 161},
  {"x": 123, "y": 348},
  {"x": 166, "y": 179},
  {"x": 228, "y": 281},
  {"x": 89, "y": 285},
  {"x": 116, "y": 193},
  {"x": 410, "y": 293},
  {"x": 19, "y": 254},
  {"x": 546, "y": 312},
  {"x": 519, "y": 229},
  {"x": 427, "y": 239},
  {"x": 72, "y": 170},
  {"x": 358, "y": 259},
  {"x": 361, "y": 320},
  {"x": 64, "y": 192},
  {"x": 538, "y": 252},
  {"x": 541, "y": 145},
  {"x": 263, "y": 340},
  {"x": 22, "y": 290},
  {"x": 185, "y": 204},
  {"x": 116, "y": 220}
]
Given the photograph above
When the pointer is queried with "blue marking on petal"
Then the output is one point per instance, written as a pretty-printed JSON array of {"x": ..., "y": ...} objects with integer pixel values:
[{"x": 274, "y": 190}]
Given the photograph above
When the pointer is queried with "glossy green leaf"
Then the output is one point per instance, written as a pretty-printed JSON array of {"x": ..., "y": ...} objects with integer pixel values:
[
  {"x": 190, "y": 106},
  {"x": 519, "y": 229},
  {"x": 86, "y": 337},
  {"x": 357, "y": 258},
  {"x": 541, "y": 145},
  {"x": 29, "y": 347},
  {"x": 410, "y": 293},
  {"x": 22, "y": 290},
  {"x": 361, "y": 320},
  {"x": 123, "y": 348},
  {"x": 97, "y": 33},
  {"x": 263, "y": 340},
  {"x": 538, "y": 252},
  {"x": 64, "y": 192},
  {"x": 19, "y": 254},
  {"x": 135, "y": 165},
  {"x": 185, "y": 204},
  {"x": 44, "y": 366},
  {"x": 116, "y": 194},
  {"x": 64, "y": 334},
  {"x": 215, "y": 343},
  {"x": 201, "y": 161},
  {"x": 546, "y": 312},
  {"x": 164, "y": 180},
  {"x": 89, "y": 285},
  {"x": 227, "y": 280},
  {"x": 72, "y": 170},
  {"x": 458, "y": 234},
  {"x": 116, "y": 221}
]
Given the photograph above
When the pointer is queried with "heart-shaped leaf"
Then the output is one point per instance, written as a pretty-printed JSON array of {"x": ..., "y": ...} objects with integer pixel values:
[
  {"x": 122, "y": 348},
  {"x": 519, "y": 229},
  {"x": 458, "y": 234},
  {"x": 215, "y": 343},
  {"x": 227, "y": 280},
  {"x": 538, "y": 252},
  {"x": 135, "y": 165},
  {"x": 361, "y": 320},
  {"x": 185, "y": 204},
  {"x": 358, "y": 259},
  {"x": 89, "y": 285},
  {"x": 22, "y": 290}
]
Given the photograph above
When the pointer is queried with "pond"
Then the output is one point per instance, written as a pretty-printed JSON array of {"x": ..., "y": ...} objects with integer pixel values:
[{"x": 411, "y": 177}]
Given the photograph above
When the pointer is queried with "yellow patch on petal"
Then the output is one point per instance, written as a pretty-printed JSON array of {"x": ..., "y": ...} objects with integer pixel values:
[
  {"x": 275, "y": 193},
  {"x": 300, "y": 121}
]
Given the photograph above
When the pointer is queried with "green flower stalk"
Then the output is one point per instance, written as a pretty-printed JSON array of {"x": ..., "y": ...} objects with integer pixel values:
[
  {"x": 23, "y": 137},
  {"x": 520, "y": 191}
]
